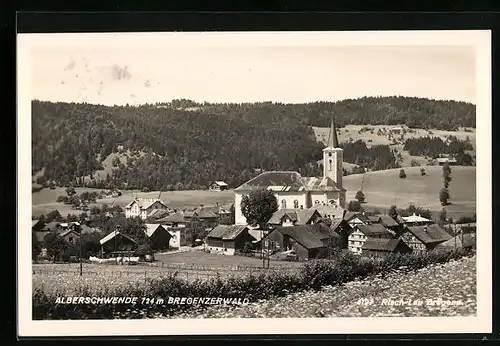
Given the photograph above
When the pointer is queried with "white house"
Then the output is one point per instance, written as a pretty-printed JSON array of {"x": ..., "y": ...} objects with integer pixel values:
[
  {"x": 140, "y": 207},
  {"x": 296, "y": 192}
]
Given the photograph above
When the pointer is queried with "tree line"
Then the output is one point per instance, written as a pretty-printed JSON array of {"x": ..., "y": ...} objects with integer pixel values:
[{"x": 434, "y": 147}]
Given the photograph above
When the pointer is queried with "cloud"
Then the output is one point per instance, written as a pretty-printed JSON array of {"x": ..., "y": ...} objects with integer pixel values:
[{"x": 120, "y": 73}]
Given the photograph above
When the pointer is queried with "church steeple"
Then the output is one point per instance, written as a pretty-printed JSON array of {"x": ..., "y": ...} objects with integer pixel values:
[{"x": 333, "y": 141}]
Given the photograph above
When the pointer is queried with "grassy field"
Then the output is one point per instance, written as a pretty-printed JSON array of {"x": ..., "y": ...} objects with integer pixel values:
[
  {"x": 44, "y": 201},
  {"x": 352, "y": 131},
  {"x": 384, "y": 188},
  {"x": 190, "y": 265},
  {"x": 454, "y": 282}
]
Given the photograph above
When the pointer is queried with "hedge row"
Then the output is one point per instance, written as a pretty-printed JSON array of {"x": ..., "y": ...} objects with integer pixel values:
[{"x": 312, "y": 275}]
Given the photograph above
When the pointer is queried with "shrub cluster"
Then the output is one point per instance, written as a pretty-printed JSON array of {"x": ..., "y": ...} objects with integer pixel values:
[{"x": 312, "y": 276}]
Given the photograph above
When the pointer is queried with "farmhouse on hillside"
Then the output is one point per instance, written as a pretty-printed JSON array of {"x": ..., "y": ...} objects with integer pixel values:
[
  {"x": 294, "y": 217},
  {"x": 361, "y": 233},
  {"x": 218, "y": 186},
  {"x": 158, "y": 235},
  {"x": 117, "y": 241},
  {"x": 380, "y": 247},
  {"x": 140, "y": 207},
  {"x": 294, "y": 191},
  {"x": 227, "y": 239},
  {"x": 424, "y": 238},
  {"x": 306, "y": 240}
]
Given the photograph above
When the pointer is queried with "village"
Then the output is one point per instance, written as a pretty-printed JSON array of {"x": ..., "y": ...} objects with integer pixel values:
[{"x": 310, "y": 220}]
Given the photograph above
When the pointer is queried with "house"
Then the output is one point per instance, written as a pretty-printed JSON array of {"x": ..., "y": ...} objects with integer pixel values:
[
  {"x": 70, "y": 235},
  {"x": 227, "y": 239},
  {"x": 354, "y": 219},
  {"x": 416, "y": 220},
  {"x": 158, "y": 235},
  {"x": 424, "y": 238},
  {"x": 294, "y": 191},
  {"x": 117, "y": 241},
  {"x": 329, "y": 211},
  {"x": 361, "y": 233},
  {"x": 177, "y": 219},
  {"x": 294, "y": 217},
  {"x": 466, "y": 241},
  {"x": 386, "y": 221},
  {"x": 37, "y": 225},
  {"x": 343, "y": 229},
  {"x": 305, "y": 240},
  {"x": 208, "y": 216},
  {"x": 450, "y": 160},
  {"x": 52, "y": 226},
  {"x": 218, "y": 186},
  {"x": 140, "y": 207},
  {"x": 381, "y": 247},
  {"x": 181, "y": 236}
]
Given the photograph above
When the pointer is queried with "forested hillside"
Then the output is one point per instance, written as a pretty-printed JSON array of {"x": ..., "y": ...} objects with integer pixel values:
[{"x": 186, "y": 145}]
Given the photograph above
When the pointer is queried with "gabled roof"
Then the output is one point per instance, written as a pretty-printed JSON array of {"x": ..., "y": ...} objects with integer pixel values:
[
  {"x": 321, "y": 231},
  {"x": 68, "y": 231},
  {"x": 35, "y": 223},
  {"x": 151, "y": 228},
  {"x": 173, "y": 218},
  {"x": 388, "y": 221},
  {"x": 415, "y": 218},
  {"x": 207, "y": 212},
  {"x": 373, "y": 230},
  {"x": 157, "y": 213},
  {"x": 275, "y": 181},
  {"x": 220, "y": 183},
  {"x": 351, "y": 215},
  {"x": 299, "y": 216},
  {"x": 336, "y": 223},
  {"x": 301, "y": 235},
  {"x": 114, "y": 234},
  {"x": 329, "y": 210},
  {"x": 86, "y": 229},
  {"x": 257, "y": 234},
  {"x": 321, "y": 184},
  {"x": 226, "y": 232},
  {"x": 429, "y": 234},
  {"x": 144, "y": 203},
  {"x": 51, "y": 226},
  {"x": 379, "y": 244}
]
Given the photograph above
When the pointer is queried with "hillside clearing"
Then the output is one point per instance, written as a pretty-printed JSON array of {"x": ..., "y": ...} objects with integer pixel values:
[
  {"x": 454, "y": 281},
  {"x": 384, "y": 188}
]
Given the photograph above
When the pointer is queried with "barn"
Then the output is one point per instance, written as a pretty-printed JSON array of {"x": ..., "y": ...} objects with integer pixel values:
[
  {"x": 117, "y": 241},
  {"x": 227, "y": 239}
]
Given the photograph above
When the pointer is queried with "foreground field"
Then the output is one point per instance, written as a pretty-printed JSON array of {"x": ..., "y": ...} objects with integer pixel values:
[
  {"x": 44, "y": 201},
  {"x": 454, "y": 282},
  {"x": 384, "y": 188},
  {"x": 192, "y": 265}
]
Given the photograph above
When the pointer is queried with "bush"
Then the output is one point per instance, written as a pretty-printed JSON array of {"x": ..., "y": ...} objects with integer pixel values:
[{"x": 312, "y": 275}]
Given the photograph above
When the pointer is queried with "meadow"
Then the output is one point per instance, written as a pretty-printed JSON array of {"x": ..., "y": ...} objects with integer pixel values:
[{"x": 384, "y": 188}]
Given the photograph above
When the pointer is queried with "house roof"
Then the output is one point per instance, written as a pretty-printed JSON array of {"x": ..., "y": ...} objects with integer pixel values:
[
  {"x": 336, "y": 223},
  {"x": 415, "y": 218},
  {"x": 462, "y": 240},
  {"x": 380, "y": 244},
  {"x": 189, "y": 213},
  {"x": 51, "y": 226},
  {"x": 151, "y": 228},
  {"x": 329, "y": 210},
  {"x": 388, "y": 221},
  {"x": 174, "y": 218},
  {"x": 349, "y": 215},
  {"x": 207, "y": 212},
  {"x": 429, "y": 234},
  {"x": 68, "y": 231},
  {"x": 226, "y": 232},
  {"x": 157, "y": 213},
  {"x": 275, "y": 181},
  {"x": 256, "y": 233},
  {"x": 372, "y": 230},
  {"x": 373, "y": 218},
  {"x": 299, "y": 216},
  {"x": 220, "y": 183},
  {"x": 301, "y": 235},
  {"x": 114, "y": 234},
  {"x": 35, "y": 222},
  {"x": 321, "y": 184},
  {"x": 321, "y": 231},
  {"x": 144, "y": 203}
]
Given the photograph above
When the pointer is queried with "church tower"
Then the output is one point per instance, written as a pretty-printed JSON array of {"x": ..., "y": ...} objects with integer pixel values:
[{"x": 333, "y": 157}]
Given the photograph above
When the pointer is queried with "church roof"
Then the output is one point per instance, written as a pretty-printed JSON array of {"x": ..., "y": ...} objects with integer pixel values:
[
  {"x": 289, "y": 181},
  {"x": 333, "y": 141}
]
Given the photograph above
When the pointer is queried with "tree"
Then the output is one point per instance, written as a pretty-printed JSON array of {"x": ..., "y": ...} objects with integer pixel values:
[
  {"x": 446, "y": 174},
  {"x": 354, "y": 206},
  {"x": 258, "y": 206},
  {"x": 70, "y": 191},
  {"x": 54, "y": 215},
  {"x": 422, "y": 171},
  {"x": 393, "y": 212},
  {"x": 402, "y": 173},
  {"x": 444, "y": 196},
  {"x": 360, "y": 196}
]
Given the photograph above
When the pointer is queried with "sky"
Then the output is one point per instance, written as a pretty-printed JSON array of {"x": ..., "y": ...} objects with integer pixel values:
[{"x": 120, "y": 74}]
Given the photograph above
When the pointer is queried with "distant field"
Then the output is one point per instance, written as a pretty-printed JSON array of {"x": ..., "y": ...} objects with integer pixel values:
[
  {"x": 384, "y": 188},
  {"x": 44, "y": 201},
  {"x": 352, "y": 131}
]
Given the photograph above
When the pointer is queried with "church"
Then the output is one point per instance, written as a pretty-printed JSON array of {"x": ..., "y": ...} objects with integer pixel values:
[{"x": 294, "y": 191}]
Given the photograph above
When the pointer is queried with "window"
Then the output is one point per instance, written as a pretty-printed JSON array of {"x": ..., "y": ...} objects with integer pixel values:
[
  {"x": 296, "y": 204},
  {"x": 71, "y": 240},
  {"x": 316, "y": 202},
  {"x": 330, "y": 165},
  {"x": 283, "y": 204}
]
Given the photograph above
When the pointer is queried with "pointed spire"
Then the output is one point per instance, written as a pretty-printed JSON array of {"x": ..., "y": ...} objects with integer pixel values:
[{"x": 333, "y": 141}]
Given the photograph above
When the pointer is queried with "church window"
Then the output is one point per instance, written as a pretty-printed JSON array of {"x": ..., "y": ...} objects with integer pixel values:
[
  {"x": 330, "y": 154},
  {"x": 316, "y": 202},
  {"x": 283, "y": 204},
  {"x": 296, "y": 204},
  {"x": 330, "y": 164}
]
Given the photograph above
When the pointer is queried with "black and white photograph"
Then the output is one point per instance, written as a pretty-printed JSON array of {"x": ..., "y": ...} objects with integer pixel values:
[{"x": 340, "y": 180}]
